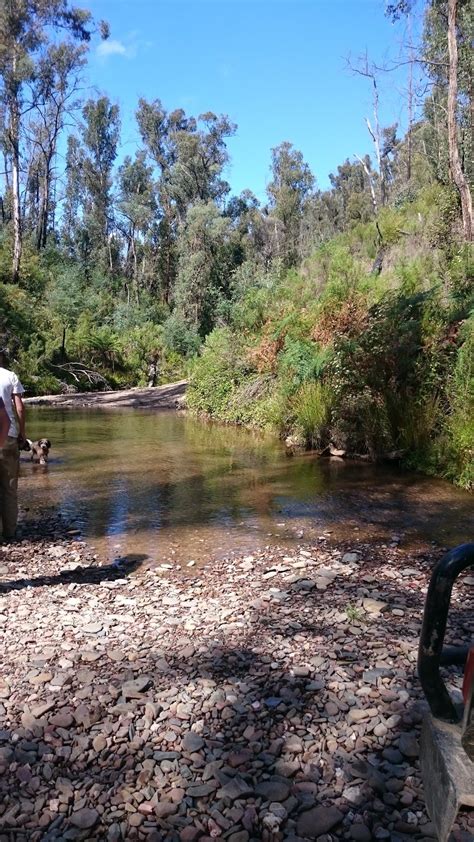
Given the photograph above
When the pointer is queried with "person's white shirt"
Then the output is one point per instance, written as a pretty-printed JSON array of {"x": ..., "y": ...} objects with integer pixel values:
[{"x": 9, "y": 386}]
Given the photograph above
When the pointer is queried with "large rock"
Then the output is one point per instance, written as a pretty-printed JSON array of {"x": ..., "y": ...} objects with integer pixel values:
[
  {"x": 273, "y": 790},
  {"x": 317, "y": 821},
  {"x": 134, "y": 688},
  {"x": 84, "y": 819},
  {"x": 235, "y": 788},
  {"x": 192, "y": 742}
]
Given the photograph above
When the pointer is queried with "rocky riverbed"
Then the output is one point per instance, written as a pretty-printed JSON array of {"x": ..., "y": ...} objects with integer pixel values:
[{"x": 268, "y": 697}]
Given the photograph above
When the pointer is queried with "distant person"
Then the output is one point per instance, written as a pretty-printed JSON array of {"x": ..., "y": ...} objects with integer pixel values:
[{"x": 11, "y": 392}]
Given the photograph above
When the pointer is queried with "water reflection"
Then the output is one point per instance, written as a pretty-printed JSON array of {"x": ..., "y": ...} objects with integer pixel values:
[{"x": 173, "y": 487}]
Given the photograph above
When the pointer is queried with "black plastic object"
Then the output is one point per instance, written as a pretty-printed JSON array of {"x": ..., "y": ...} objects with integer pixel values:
[{"x": 430, "y": 651}]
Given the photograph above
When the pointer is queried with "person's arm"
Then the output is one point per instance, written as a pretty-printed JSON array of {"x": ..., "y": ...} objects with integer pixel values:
[
  {"x": 4, "y": 424},
  {"x": 20, "y": 413}
]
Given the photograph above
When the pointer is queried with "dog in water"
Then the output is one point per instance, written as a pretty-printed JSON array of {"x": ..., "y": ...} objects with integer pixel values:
[{"x": 39, "y": 450}]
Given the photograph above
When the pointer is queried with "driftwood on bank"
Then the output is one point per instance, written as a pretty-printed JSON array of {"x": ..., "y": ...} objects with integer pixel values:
[{"x": 157, "y": 397}]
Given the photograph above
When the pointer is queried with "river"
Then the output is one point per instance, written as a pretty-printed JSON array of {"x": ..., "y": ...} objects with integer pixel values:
[{"x": 180, "y": 490}]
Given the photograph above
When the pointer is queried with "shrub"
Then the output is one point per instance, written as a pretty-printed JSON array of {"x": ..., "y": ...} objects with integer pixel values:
[
  {"x": 301, "y": 361},
  {"x": 360, "y": 424},
  {"x": 460, "y": 426},
  {"x": 180, "y": 337},
  {"x": 312, "y": 410},
  {"x": 215, "y": 373}
]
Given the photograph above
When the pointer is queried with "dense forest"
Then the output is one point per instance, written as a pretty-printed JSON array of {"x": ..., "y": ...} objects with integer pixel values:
[{"x": 342, "y": 317}]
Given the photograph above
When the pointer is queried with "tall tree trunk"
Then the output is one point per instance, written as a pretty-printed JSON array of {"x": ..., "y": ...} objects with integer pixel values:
[
  {"x": 17, "y": 232},
  {"x": 14, "y": 138},
  {"x": 371, "y": 184},
  {"x": 457, "y": 174},
  {"x": 410, "y": 105},
  {"x": 44, "y": 204},
  {"x": 42, "y": 226}
]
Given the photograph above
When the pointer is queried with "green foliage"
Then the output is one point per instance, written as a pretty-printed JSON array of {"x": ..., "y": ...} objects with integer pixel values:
[
  {"x": 180, "y": 337},
  {"x": 353, "y": 613},
  {"x": 249, "y": 310},
  {"x": 126, "y": 316},
  {"x": 215, "y": 374},
  {"x": 367, "y": 364},
  {"x": 313, "y": 314},
  {"x": 301, "y": 361},
  {"x": 459, "y": 435},
  {"x": 312, "y": 406},
  {"x": 32, "y": 367},
  {"x": 66, "y": 295}
]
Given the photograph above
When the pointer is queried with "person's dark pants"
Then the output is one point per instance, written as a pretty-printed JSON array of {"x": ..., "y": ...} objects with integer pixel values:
[{"x": 9, "y": 469}]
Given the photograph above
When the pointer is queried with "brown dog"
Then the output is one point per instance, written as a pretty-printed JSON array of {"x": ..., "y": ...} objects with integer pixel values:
[{"x": 40, "y": 450}]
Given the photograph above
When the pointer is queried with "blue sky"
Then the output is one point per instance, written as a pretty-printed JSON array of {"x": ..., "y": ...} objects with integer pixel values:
[{"x": 276, "y": 67}]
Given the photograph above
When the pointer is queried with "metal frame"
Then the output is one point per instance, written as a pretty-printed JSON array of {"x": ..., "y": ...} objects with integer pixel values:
[{"x": 430, "y": 651}]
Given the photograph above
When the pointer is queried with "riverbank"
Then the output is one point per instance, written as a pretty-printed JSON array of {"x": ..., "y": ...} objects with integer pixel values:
[
  {"x": 169, "y": 396},
  {"x": 269, "y": 697}
]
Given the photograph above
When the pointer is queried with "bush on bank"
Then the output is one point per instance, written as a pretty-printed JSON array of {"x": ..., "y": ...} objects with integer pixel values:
[{"x": 376, "y": 365}]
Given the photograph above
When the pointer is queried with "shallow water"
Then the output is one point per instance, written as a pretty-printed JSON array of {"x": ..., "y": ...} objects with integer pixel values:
[{"x": 180, "y": 490}]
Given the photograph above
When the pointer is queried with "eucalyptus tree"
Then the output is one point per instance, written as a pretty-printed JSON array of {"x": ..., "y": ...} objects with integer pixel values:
[
  {"x": 288, "y": 191},
  {"x": 56, "y": 84},
  {"x": 136, "y": 208},
  {"x": 203, "y": 268},
  {"x": 446, "y": 53},
  {"x": 157, "y": 129},
  {"x": 190, "y": 155},
  {"x": 26, "y": 28},
  {"x": 73, "y": 197},
  {"x": 201, "y": 155},
  {"x": 352, "y": 191},
  {"x": 88, "y": 211}
]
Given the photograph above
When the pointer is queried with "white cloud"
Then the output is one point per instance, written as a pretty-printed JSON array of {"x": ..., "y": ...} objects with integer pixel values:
[{"x": 111, "y": 47}]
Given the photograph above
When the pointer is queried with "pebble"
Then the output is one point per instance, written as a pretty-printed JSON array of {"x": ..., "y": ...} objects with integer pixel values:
[{"x": 163, "y": 707}]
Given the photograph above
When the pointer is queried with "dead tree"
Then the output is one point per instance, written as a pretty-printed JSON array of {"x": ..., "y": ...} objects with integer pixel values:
[{"x": 457, "y": 173}]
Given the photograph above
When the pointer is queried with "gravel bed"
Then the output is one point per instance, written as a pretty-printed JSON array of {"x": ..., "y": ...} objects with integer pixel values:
[{"x": 266, "y": 697}]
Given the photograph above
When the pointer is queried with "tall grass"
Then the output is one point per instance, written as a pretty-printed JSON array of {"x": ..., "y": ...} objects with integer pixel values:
[{"x": 312, "y": 405}]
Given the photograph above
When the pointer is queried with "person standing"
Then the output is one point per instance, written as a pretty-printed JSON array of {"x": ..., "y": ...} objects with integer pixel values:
[
  {"x": 4, "y": 423},
  {"x": 11, "y": 392}
]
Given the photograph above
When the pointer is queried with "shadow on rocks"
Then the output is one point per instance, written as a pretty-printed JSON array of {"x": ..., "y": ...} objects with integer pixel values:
[
  {"x": 201, "y": 717},
  {"x": 215, "y": 742},
  {"x": 90, "y": 575}
]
